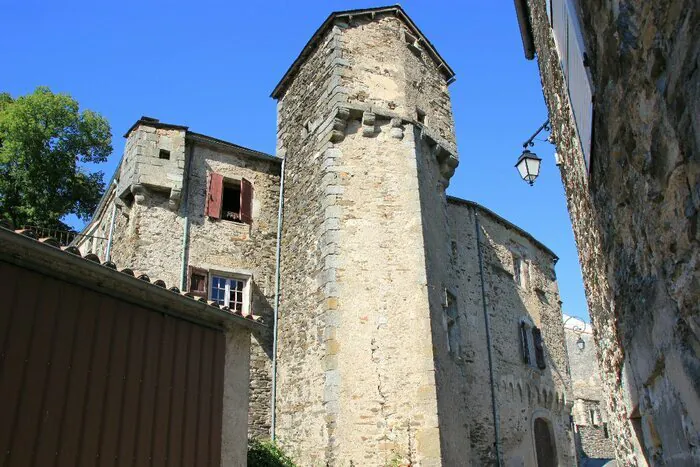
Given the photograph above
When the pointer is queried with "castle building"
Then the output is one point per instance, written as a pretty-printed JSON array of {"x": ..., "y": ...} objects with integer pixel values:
[
  {"x": 412, "y": 327},
  {"x": 591, "y": 419}
]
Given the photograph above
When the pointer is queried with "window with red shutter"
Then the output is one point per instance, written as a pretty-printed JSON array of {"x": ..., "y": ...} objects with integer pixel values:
[
  {"x": 246, "y": 201},
  {"x": 214, "y": 196},
  {"x": 231, "y": 201}
]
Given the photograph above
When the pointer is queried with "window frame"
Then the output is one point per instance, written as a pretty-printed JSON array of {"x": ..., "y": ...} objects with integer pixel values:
[
  {"x": 213, "y": 206},
  {"x": 228, "y": 277},
  {"x": 192, "y": 271},
  {"x": 534, "y": 358},
  {"x": 521, "y": 271},
  {"x": 232, "y": 184}
]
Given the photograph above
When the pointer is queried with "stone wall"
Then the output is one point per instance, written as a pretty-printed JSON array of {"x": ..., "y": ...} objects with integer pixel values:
[
  {"x": 305, "y": 416},
  {"x": 231, "y": 247},
  {"x": 523, "y": 392},
  {"x": 142, "y": 164},
  {"x": 635, "y": 218},
  {"x": 389, "y": 75},
  {"x": 356, "y": 364},
  {"x": 589, "y": 412}
]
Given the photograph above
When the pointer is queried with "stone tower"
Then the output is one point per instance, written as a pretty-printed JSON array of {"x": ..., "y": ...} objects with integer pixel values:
[{"x": 365, "y": 124}]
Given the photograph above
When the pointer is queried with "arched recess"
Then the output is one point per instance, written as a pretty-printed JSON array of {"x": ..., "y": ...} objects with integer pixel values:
[{"x": 545, "y": 444}]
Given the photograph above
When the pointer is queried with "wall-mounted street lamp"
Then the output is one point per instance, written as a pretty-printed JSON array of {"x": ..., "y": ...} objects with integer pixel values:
[
  {"x": 580, "y": 343},
  {"x": 528, "y": 164}
]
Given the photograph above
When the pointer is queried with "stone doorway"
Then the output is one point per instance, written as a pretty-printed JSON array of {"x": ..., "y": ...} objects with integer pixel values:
[{"x": 544, "y": 444}]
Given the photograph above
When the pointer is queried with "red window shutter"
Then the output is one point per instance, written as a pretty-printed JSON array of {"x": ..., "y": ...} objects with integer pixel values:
[
  {"x": 197, "y": 281},
  {"x": 214, "y": 196},
  {"x": 246, "y": 201}
]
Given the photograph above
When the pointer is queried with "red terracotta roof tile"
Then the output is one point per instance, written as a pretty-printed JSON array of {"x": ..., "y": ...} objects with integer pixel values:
[{"x": 50, "y": 241}]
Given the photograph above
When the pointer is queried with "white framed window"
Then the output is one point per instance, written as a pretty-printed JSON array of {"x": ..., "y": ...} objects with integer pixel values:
[{"x": 231, "y": 291}]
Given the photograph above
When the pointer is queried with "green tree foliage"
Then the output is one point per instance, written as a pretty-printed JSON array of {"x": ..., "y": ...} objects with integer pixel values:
[
  {"x": 44, "y": 143},
  {"x": 267, "y": 454}
]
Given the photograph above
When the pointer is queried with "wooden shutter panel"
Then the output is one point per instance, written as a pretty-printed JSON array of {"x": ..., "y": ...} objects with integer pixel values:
[
  {"x": 246, "y": 201},
  {"x": 214, "y": 196},
  {"x": 539, "y": 348},
  {"x": 197, "y": 281},
  {"x": 524, "y": 345}
]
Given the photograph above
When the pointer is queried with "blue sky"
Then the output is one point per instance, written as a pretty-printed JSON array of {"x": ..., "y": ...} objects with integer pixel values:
[{"x": 212, "y": 65}]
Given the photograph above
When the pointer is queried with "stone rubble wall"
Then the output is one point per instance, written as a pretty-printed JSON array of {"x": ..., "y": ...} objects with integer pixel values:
[
  {"x": 636, "y": 218},
  {"x": 523, "y": 392},
  {"x": 384, "y": 350},
  {"x": 453, "y": 400}
]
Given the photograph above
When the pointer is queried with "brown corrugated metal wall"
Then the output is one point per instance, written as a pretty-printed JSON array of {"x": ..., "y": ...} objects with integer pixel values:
[{"x": 87, "y": 379}]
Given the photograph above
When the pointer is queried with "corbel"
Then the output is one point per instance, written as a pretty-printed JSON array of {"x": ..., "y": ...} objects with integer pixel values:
[
  {"x": 396, "y": 128},
  {"x": 339, "y": 123},
  {"x": 139, "y": 192},
  {"x": 368, "y": 121}
]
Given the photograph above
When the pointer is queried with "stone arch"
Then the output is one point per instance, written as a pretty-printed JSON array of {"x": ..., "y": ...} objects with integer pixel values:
[{"x": 545, "y": 443}]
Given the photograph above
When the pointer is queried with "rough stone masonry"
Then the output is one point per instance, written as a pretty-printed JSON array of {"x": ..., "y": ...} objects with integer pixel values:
[
  {"x": 636, "y": 210},
  {"x": 414, "y": 328}
]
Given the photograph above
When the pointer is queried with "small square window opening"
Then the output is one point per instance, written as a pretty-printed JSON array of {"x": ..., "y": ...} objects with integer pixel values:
[
  {"x": 420, "y": 116},
  {"x": 164, "y": 154},
  {"x": 198, "y": 282}
]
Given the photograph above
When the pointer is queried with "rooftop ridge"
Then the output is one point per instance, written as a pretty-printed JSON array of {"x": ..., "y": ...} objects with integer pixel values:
[
  {"x": 156, "y": 123},
  {"x": 504, "y": 221}
]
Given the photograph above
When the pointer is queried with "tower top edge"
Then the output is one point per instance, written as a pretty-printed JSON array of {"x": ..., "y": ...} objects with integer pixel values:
[{"x": 395, "y": 10}]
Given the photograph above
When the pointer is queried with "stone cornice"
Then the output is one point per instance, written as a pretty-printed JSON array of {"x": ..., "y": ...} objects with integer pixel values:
[{"x": 334, "y": 126}]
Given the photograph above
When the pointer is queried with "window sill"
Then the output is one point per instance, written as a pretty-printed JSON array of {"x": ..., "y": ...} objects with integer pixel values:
[{"x": 234, "y": 228}]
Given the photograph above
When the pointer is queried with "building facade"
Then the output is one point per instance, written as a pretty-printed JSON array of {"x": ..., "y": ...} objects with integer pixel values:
[
  {"x": 505, "y": 287},
  {"x": 592, "y": 433},
  {"x": 413, "y": 328},
  {"x": 620, "y": 80},
  {"x": 200, "y": 213}
]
